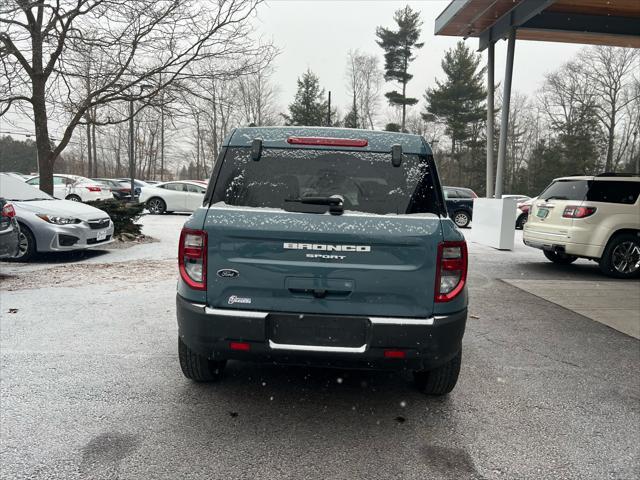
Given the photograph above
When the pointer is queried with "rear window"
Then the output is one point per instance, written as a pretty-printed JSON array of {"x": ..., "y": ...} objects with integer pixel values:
[
  {"x": 566, "y": 190},
  {"x": 368, "y": 181},
  {"x": 593, "y": 191},
  {"x": 614, "y": 192}
]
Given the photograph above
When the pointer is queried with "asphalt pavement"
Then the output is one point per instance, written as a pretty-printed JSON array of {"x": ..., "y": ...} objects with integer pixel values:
[{"x": 90, "y": 386}]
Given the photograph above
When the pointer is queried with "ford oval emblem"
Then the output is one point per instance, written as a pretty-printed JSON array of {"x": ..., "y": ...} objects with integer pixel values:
[{"x": 228, "y": 273}]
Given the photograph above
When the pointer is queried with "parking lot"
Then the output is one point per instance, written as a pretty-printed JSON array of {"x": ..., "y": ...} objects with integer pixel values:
[{"x": 91, "y": 386}]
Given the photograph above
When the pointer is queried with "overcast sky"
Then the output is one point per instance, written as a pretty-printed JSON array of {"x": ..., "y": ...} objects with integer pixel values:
[{"x": 319, "y": 33}]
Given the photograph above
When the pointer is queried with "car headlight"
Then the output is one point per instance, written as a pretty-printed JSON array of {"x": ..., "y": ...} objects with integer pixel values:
[{"x": 57, "y": 220}]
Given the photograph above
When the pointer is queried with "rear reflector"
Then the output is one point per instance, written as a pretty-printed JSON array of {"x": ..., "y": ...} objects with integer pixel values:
[
  {"x": 329, "y": 142},
  {"x": 240, "y": 346},
  {"x": 451, "y": 270},
  {"x": 394, "y": 354},
  {"x": 574, "y": 211}
]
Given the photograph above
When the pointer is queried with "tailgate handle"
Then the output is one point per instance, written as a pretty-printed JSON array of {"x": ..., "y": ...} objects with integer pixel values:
[{"x": 320, "y": 292}]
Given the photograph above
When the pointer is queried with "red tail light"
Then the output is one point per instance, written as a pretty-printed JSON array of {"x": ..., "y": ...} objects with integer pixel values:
[
  {"x": 330, "y": 142},
  {"x": 573, "y": 211},
  {"x": 524, "y": 208},
  {"x": 451, "y": 273},
  {"x": 192, "y": 258},
  {"x": 93, "y": 189},
  {"x": 8, "y": 211},
  {"x": 240, "y": 346}
]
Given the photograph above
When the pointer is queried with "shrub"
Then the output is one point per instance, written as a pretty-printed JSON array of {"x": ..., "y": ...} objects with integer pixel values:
[{"x": 124, "y": 215}]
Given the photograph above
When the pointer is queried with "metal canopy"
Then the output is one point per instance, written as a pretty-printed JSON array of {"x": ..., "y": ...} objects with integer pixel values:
[
  {"x": 600, "y": 22},
  {"x": 597, "y": 22}
]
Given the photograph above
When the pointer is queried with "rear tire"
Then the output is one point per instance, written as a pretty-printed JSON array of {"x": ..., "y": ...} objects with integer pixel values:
[
  {"x": 198, "y": 367},
  {"x": 559, "y": 258},
  {"x": 461, "y": 219},
  {"x": 441, "y": 380},
  {"x": 156, "y": 206},
  {"x": 73, "y": 198},
  {"x": 621, "y": 257},
  {"x": 522, "y": 219}
]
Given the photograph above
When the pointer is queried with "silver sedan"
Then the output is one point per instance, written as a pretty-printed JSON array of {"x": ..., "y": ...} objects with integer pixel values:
[{"x": 50, "y": 225}]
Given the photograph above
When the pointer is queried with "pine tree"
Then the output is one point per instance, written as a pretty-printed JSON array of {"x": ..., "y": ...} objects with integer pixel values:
[
  {"x": 309, "y": 107},
  {"x": 459, "y": 99},
  {"x": 399, "y": 46}
]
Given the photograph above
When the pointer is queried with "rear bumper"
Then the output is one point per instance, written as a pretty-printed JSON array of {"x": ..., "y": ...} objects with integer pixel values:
[
  {"x": 427, "y": 342},
  {"x": 9, "y": 240},
  {"x": 557, "y": 242}
]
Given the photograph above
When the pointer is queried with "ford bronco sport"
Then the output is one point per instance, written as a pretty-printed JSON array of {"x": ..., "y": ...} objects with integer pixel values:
[
  {"x": 322, "y": 246},
  {"x": 597, "y": 218}
]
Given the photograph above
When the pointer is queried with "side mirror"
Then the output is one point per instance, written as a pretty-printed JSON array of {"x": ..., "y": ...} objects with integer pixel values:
[
  {"x": 256, "y": 149},
  {"x": 396, "y": 155}
]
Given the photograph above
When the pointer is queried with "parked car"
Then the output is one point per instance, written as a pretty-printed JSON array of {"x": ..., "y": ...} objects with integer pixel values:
[
  {"x": 522, "y": 212},
  {"x": 48, "y": 225},
  {"x": 589, "y": 217},
  {"x": 119, "y": 189},
  {"x": 75, "y": 188},
  {"x": 316, "y": 247},
  {"x": 459, "y": 202},
  {"x": 9, "y": 230},
  {"x": 180, "y": 196},
  {"x": 137, "y": 184}
]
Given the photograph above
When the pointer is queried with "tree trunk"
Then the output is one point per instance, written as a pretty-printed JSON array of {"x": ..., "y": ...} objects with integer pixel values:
[
  {"x": 611, "y": 130},
  {"x": 46, "y": 159},
  {"x": 94, "y": 172}
]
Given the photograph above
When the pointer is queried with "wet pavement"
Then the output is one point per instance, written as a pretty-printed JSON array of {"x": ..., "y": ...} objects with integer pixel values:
[{"x": 90, "y": 386}]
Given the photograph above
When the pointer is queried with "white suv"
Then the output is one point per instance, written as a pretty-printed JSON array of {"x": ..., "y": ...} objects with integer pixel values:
[{"x": 589, "y": 217}]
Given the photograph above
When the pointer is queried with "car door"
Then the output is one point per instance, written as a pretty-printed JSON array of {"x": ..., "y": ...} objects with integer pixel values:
[
  {"x": 175, "y": 196},
  {"x": 465, "y": 199},
  {"x": 194, "y": 196},
  {"x": 59, "y": 187},
  {"x": 451, "y": 199}
]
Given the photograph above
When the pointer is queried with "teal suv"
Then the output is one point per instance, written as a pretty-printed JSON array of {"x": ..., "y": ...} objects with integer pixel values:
[{"x": 328, "y": 247}]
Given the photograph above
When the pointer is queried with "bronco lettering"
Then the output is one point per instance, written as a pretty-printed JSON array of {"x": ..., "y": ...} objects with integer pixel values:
[{"x": 318, "y": 247}]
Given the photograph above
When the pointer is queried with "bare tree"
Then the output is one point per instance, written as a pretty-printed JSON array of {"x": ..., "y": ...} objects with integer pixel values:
[
  {"x": 609, "y": 72},
  {"x": 364, "y": 82},
  {"x": 258, "y": 97},
  {"x": 142, "y": 42}
]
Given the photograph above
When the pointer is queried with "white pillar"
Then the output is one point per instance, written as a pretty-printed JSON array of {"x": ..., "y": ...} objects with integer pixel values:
[
  {"x": 504, "y": 120},
  {"x": 490, "y": 87}
]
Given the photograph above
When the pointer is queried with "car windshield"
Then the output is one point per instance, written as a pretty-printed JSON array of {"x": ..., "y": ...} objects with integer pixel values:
[
  {"x": 17, "y": 191},
  {"x": 566, "y": 190},
  {"x": 372, "y": 185}
]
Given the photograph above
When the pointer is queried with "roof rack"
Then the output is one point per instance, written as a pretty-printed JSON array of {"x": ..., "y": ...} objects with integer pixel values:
[{"x": 617, "y": 174}]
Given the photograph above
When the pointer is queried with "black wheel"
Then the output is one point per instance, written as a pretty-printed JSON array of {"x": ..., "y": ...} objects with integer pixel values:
[
  {"x": 461, "y": 218},
  {"x": 621, "y": 257},
  {"x": 198, "y": 367},
  {"x": 156, "y": 206},
  {"x": 522, "y": 219},
  {"x": 441, "y": 380},
  {"x": 559, "y": 258},
  {"x": 73, "y": 198},
  {"x": 26, "y": 246}
]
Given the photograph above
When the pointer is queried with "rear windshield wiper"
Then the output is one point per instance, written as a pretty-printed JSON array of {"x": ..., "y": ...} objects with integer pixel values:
[{"x": 316, "y": 204}]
